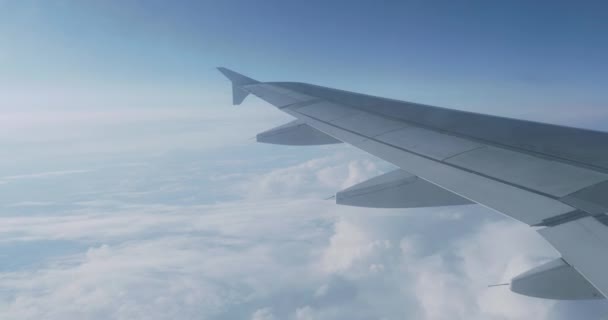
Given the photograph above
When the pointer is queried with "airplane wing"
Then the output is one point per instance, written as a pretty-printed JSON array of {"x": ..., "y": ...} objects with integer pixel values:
[{"x": 547, "y": 176}]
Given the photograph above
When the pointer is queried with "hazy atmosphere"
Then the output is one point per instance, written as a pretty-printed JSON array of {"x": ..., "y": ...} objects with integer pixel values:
[{"x": 131, "y": 188}]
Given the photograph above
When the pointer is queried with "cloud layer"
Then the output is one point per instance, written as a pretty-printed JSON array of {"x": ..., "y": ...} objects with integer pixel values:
[{"x": 274, "y": 250}]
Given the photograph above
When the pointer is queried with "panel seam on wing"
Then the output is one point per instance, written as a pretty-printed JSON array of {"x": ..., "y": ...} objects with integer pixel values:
[
  {"x": 439, "y": 161},
  {"x": 480, "y": 140}
]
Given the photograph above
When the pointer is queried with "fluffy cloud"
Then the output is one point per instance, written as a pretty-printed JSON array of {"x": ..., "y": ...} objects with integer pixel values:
[
  {"x": 168, "y": 273},
  {"x": 350, "y": 243},
  {"x": 453, "y": 283},
  {"x": 263, "y": 314},
  {"x": 68, "y": 132},
  {"x": 304, "y": 313},
  {"x": 310, "y": 178},
  {"x": 276, "y": 252}
]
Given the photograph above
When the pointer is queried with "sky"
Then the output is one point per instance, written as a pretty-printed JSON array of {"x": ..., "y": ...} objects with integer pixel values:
[{"x": 130, "y": 188}]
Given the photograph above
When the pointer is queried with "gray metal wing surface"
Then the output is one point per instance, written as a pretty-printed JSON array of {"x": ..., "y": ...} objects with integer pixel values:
[{"x": 543, "y": 175}]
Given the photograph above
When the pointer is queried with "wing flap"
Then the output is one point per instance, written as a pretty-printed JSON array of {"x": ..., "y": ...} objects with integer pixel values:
[
  {"x": 326, "y": 110},
  {"x": 368, "y": 124},
  {"x": 543, "y": 175},
  {"x": 592, "y": 199},
  {"x": 428, "y": 143}
]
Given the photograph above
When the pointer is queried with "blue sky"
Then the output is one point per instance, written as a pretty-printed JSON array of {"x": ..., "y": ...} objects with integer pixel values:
[
  {"x": 130, "y": 188},
  {"x": 475, "y": 54}
]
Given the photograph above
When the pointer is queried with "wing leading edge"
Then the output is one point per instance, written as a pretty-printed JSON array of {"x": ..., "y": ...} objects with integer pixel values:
[{"x": 541, "y": 174}]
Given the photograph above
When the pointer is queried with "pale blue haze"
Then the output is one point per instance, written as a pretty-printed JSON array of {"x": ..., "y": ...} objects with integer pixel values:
[{"x": 130, "y": 188}]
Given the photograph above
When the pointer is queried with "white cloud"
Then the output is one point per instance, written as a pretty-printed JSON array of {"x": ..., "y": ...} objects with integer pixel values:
[
  {"x": 263, "y": 314},
  {"x": 350, "y": 243},
  {"x": 322, "y": 291},
  {"x": 47, "y": 174},
  {"x": 291, "y": 256},
  {"x": 173, "y": 274},
  {"x": 29, "y": 203},
  {"x": 313, "y": 177},
  {"x": 69, "y": 132},
  {"x": 409, "y": 246},
  {"x": 458, "y": 289},
  {"x": 304, "y": 313},
  {"x": 151, "y": 279}
]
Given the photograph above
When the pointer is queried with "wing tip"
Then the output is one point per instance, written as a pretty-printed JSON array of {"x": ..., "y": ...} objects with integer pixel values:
[{"x": 236, "y": 78}]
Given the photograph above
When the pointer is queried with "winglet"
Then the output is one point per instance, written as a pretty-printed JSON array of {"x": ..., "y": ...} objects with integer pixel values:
[{"x": 238, "y": 80}]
